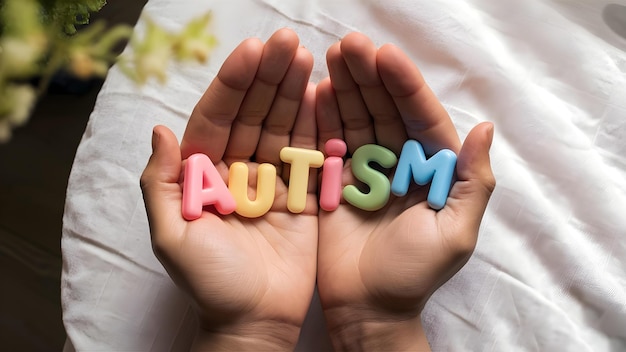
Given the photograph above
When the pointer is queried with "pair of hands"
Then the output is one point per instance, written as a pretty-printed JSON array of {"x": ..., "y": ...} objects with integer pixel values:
[{"x": 251, "y": 280}]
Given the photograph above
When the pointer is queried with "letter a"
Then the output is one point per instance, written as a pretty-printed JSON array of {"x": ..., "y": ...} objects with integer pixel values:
[
  {"x": 439, "y": 168},
  {"x": 202, "y": 186}
]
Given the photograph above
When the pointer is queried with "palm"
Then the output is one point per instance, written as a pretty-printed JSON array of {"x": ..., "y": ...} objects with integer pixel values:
[
  {"x": 396, "y": 257},
  {"x": 248, "y": 265},
  {"x": 236, "y": 268}
]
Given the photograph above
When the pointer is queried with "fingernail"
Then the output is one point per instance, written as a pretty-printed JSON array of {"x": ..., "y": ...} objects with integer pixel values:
[
  {"x": 490, "y": 132},
  {"x": 155, "y": 140}
]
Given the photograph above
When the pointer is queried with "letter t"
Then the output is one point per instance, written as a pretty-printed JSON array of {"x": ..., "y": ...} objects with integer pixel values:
[{"x": 301, "y": 161}]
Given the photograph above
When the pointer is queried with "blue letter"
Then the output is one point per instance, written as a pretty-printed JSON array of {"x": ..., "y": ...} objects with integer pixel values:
[{"x": 439, "y": 168}]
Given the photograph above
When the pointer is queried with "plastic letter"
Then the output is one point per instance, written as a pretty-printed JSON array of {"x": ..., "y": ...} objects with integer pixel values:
[
  {"x": 301, "y": 161},
  {"x": 330, "y": 190},
  {"x": 378, "y": 183},
  {"x": 439, "y": 168},
  {"x": 265, "y": 189},
  {"x": 202, "y": 186}
]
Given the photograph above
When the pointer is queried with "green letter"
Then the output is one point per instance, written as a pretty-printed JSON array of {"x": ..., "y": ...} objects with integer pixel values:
[{"x": 377, "y": 181}]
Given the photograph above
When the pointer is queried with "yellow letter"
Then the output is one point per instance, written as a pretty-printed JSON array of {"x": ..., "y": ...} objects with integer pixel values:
[
  {"x": 301, "y": 161},
  {"x": 265, "y": 189}
]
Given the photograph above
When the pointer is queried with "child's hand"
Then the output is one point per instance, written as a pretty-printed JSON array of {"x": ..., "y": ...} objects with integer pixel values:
[
  {"x": 376, "y": 270},
  {"x": 250, "y": 280}
]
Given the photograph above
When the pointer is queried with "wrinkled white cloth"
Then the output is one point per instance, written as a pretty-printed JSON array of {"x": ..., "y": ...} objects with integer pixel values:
[{"x": 549, "y": 271}]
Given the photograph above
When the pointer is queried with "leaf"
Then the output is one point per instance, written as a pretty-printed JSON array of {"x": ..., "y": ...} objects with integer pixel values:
[{"x": 69, "y": 13}]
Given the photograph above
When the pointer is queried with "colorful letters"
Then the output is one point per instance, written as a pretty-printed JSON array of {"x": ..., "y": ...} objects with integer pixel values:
[{"x": 203, "y": 185}]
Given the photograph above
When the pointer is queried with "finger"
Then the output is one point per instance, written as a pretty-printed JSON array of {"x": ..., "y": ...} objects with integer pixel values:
[
  {"x": 209, "y": 126},
  {"x": 304, "y": 133},
  {"x": 359, "y": 53},
  {"x": 471, "y": 192},
  {"x": 278, "y": 54},
  {"x": 424, "y": 117},
  {"x": 357, "y": 124},
  {"x": 159, "y": 182},
  {"x": 327, "y": 114},
  {"x": 277, "y": 127}
]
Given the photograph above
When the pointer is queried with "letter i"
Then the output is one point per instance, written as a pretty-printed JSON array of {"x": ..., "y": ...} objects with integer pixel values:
[{"x": 330, "y": 191}]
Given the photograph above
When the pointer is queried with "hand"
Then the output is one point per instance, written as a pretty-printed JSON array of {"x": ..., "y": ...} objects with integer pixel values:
[
  {"x": 376, "y": 270},
  {"x": 250, "y": 280}
]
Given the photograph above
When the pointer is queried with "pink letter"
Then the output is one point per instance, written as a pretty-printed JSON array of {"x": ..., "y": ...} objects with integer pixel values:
[
  {"x": 330, "y": 192},
  {"x": 202, "y": 186}
]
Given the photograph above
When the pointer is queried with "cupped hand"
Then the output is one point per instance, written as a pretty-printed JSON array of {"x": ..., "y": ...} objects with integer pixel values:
[
  {"x": 248, "y": 277},
  {"x": 381, "y": 267}
]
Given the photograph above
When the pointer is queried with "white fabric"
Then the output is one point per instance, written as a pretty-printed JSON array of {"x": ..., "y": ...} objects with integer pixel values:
[{"x": 549, "y": 271}]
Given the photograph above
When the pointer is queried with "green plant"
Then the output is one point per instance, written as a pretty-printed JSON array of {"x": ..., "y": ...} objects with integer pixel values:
[{"x": 40, "y": 37}]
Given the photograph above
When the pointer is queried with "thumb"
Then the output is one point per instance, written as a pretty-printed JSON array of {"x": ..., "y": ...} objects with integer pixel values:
[
  {"x": 161, "y": 190},
  {"x": 475, "y": 180}
]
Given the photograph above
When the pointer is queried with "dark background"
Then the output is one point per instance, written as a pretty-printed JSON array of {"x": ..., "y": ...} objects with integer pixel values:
[{"x": 34, "y": 169}]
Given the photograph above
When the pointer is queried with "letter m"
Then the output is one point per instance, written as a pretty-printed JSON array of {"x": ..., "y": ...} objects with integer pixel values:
[{"x": 439, "y": 169}]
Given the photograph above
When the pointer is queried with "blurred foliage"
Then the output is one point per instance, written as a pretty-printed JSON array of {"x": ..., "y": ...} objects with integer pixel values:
[{"x": 38, "y": 38}]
